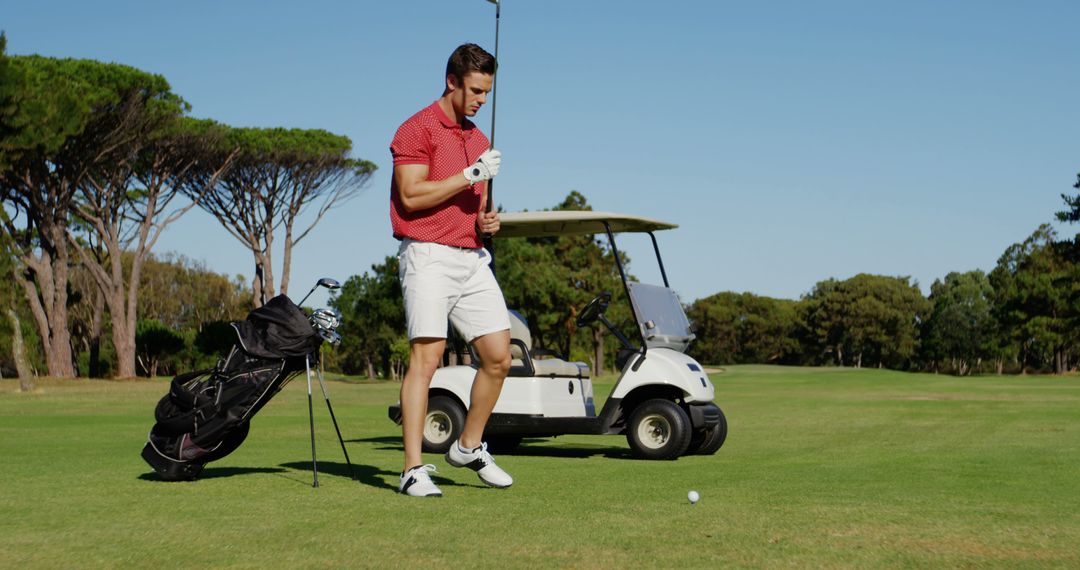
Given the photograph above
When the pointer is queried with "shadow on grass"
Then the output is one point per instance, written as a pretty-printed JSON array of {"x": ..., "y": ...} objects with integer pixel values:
[
  {"x": 567, "y": 451},
  {"x": 215, "y": 472},
  {"x": 365, "y": 474},
  {"x": 393, "y": 443}
]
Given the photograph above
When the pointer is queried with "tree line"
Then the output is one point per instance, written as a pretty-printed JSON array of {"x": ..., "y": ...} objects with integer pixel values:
[
  {"x": 1020, "y": 317},
  {"x": 1017, "y": 318},
  {"x": 98, "y": 159}
]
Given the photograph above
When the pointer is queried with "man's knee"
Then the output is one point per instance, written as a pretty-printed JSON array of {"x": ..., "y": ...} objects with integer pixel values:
[
  {"x": 496, "y": 361},
  {"x": 424, "y": 358}
]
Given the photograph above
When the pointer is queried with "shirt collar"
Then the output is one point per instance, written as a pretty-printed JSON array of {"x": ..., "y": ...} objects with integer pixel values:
[{"x": 447, "y": 121}]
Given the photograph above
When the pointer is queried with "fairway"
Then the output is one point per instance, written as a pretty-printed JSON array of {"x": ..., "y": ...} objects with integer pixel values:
[{"x": 822, "y": 468}]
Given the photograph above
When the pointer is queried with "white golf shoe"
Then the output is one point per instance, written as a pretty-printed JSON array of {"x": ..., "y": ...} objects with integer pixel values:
[
  {"x": 479, "y": 460},
  {"x": 417, "y": 483}
]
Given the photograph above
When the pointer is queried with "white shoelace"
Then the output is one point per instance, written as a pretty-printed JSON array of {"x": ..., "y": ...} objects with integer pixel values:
[{"x": 423, "y": 471}]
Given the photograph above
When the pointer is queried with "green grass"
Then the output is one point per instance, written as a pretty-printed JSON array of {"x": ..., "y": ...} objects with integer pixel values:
[{"x": 823, "y": 468}]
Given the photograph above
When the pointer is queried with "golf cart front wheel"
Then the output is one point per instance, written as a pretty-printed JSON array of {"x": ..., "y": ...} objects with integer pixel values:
[
  {"x": 708, "y": 441},
  {"x": 658, "y": 429},
  {"x": 443, "y": 424}
]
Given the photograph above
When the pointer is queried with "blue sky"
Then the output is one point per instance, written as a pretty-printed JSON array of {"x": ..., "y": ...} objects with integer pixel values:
[{"x": 792, "y": 141}]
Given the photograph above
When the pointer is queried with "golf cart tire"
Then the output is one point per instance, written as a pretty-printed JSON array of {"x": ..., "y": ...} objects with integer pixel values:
[
  {"x": 502, "y": 443},
  {"x": 708, "y": 441},
  {"x": 443, "y": 424},
  {"x": 658, "y": 429}
]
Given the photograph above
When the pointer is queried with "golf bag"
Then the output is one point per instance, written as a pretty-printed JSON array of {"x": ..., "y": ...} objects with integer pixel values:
[{"x": 207, "y": 413}]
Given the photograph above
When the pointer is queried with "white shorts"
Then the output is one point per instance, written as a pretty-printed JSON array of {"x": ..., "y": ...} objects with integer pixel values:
[{"x": 441, "y": 282}]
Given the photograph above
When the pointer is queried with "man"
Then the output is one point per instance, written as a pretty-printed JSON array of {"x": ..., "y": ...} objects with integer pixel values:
[{"x": 437, "y": 200}]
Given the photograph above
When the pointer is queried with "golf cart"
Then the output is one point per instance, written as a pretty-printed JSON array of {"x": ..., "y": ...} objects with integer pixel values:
[{"x": 662, "y": 401}]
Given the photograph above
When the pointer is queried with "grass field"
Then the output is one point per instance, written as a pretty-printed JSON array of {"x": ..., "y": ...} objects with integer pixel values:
[{"x": 822, "y": 468}]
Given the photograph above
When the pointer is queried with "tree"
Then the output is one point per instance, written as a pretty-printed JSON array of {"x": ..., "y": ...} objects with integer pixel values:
[
  {"x": 276, "y": 176},
  {"x": 1072, "y": 214},
  {"x": 61, "y": 119},
  {"x": 184, "y": 295},
  {"x": 865, "y": 319},
  {"x": 155, "y": 343},
  {"x": 373, "y": 318},
  {"x": 551, "y": 279},
  {"x": 960, "y": 329},
  {"x": 13, "y": 335},
  {"x": 1035, "y": 298},
  {"x": 739, "y": 328},
  {"x": 125, "y": 202}
]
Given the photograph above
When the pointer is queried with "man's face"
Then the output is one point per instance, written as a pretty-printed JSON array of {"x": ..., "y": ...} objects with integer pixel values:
[{"x": 471, "y": 93}]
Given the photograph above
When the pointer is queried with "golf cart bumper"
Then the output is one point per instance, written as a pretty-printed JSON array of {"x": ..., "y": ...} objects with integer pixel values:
[
  {"x": 703, "y": 415},
  {"x": 395, "y": 413}
]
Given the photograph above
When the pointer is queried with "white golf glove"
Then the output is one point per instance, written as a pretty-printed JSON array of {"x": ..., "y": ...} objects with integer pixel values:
[{"x": 485, "y": 167}]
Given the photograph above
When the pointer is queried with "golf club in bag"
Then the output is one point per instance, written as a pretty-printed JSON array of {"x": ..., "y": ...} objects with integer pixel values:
[{"x": 207, "y": 413}]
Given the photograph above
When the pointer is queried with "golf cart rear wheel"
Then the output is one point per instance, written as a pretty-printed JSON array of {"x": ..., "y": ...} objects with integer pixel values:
[
  {"x": 443, "y": 424},
  {"x": 658, "y": 429},
  {"x": 708, "y": 441}
]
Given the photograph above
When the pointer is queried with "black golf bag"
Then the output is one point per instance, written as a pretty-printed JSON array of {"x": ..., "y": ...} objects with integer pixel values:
[{"x": 207, "y": 413}]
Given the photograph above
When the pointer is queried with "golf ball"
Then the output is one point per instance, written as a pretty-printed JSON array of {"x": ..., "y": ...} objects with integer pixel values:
[{"x": 693, "y": 496}]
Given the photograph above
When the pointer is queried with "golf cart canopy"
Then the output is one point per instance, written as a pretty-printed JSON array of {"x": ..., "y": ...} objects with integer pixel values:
[{"x": 573, "y": 222}]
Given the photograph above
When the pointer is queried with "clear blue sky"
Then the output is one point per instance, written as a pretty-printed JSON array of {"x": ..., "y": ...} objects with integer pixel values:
[{"x": 792, "y": 141}]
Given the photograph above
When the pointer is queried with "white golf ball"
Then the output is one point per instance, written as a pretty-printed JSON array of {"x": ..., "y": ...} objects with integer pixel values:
[{"x": 694, "y": 497}]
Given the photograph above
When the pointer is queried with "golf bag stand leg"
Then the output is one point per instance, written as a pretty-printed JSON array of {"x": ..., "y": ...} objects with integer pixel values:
[
  {"x": 341, "y": 440},
  {"x": 311, "y": 421}
]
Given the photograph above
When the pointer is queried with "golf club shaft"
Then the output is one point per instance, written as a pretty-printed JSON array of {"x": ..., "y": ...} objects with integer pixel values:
[
  {"x": 301, "y": 303},
  {"x": 311, "y": 421},
  {"x": 326, "y": 396},
  {"x": 491, "y": 183}
]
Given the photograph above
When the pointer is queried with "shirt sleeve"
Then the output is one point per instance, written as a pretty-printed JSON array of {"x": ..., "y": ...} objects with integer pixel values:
[{"x": 411, "y": 145}]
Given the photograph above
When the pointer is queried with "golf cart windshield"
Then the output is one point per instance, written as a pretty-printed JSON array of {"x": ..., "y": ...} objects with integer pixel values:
[{"x": 661, "y": 317}]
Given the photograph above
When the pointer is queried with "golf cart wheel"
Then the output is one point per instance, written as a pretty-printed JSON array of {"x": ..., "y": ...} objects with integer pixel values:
[
  {"x": 443, "y": 424},
  {"x": 658, "y": 429},
  {"x": 708, "y": 441}
]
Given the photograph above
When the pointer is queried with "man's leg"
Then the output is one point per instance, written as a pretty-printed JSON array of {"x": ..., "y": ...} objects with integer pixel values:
[
  {"x": 494, "y": 352},
  {"x": 424, "y": 357}
]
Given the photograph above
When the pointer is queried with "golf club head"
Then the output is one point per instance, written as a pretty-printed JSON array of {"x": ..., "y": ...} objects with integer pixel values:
[
  {"x": 495, "y": 2},
  {"x": 329, "y": 283}
]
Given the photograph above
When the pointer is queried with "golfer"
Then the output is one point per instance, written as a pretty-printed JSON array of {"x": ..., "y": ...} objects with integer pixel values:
[{"x": 438, "y": 195}]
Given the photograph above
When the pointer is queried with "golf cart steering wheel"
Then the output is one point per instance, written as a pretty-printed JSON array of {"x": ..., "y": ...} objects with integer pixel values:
[{"x": 594, "y": 309}]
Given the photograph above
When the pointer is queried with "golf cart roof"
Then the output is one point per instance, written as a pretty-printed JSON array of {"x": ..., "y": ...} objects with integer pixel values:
[{"x": 573, "y": 222}]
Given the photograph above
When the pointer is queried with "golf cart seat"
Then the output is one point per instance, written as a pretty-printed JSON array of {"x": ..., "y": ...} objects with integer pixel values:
[{"x": 526, "y": 358}]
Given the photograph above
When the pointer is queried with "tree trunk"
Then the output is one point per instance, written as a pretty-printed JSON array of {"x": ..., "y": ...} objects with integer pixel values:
[
  {"x": 369, "y": 366},
  {"x": 286, "y": 259},
  {"x": 47, "y": 296},
  {"x": 97, "y": 322},
  {"x": 18, "y": 353}
]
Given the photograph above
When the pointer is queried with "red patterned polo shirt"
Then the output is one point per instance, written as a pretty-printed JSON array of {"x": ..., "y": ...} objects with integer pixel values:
[{"x": 431, "y": 138}]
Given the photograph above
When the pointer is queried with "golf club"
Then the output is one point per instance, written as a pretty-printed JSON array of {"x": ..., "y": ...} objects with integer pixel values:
[
  {"x": 490, "y": 183},
  {"x": 341, "y": 440},
  {"x": 311, "y": 420},
  {"x": 327, "y": 282}
]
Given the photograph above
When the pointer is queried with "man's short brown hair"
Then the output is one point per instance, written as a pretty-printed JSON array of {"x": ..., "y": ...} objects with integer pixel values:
[{"x": 468, "y": 58}]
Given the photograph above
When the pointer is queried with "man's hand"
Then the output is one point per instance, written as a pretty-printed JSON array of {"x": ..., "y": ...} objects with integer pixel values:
[
  {"x": 487, "y": 222},
  {"x": 485, "y": 168}
]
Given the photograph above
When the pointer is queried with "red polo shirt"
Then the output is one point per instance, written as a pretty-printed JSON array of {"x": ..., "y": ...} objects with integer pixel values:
[{"x": 431, "y": 138}]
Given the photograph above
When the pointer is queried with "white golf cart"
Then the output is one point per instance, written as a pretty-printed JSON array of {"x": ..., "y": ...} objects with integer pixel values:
[{"x": 662, "y": 401}]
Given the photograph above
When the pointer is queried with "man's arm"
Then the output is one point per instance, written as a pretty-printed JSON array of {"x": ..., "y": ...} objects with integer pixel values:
[{"x": 419, "y": 193}]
